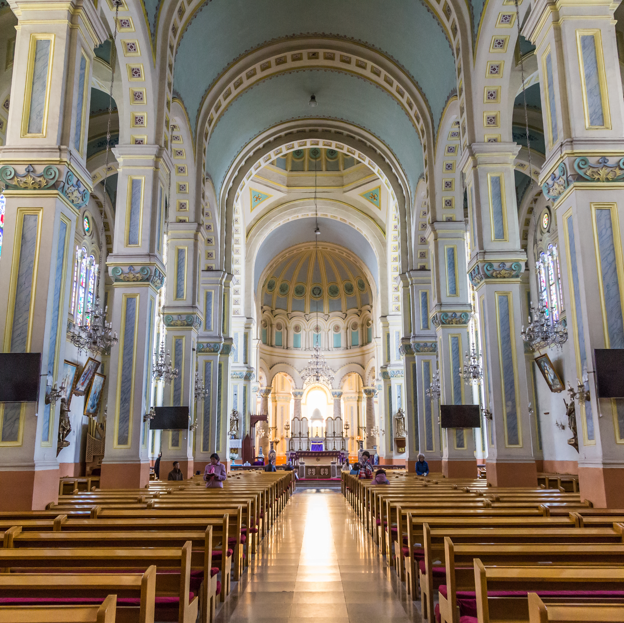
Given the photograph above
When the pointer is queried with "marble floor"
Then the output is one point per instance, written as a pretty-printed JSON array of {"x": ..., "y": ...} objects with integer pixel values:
[{"x": 319, "y": 563}]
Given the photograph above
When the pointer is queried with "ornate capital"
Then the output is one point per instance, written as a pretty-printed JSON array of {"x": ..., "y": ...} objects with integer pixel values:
[
  {"x": 212, "y": 348},
  {"x": 297, "y": 394},
  {"x": 142, "y": 274},
  {"x": 406, "y": 347},
  {"x": 392, "y": 374},
  {"x": 494, "y": 271},
  {"x": 29, "y": 180},
  {"x": 425, "y": 347},
  {"x": 336, "y": 394},
  {"x": 601, "y": 170},
  {"x": 557, "y": 183},
  {"x": 265, "y": 392},
  {"x": 446, "y": 319},
  {"x": 183, "y": 320},
  {"x": 74, "y": 191},
  {"x": 369, "y": 392}
]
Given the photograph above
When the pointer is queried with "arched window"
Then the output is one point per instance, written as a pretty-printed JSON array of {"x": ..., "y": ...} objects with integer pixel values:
[
  {"x": 83, "y": 294},
  {"x": 549, "y": 287}
]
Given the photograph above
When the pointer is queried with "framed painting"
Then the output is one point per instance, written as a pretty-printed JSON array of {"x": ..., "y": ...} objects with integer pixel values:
[
  {"x": 549, "y": 373},
  {"x": 70, "y": 375},
  {"x": 94, "y": 397},
  {"x": 86, "y": 376}
]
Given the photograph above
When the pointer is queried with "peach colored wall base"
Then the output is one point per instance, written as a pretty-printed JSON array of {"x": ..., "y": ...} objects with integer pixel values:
[
  {"x": 70, "y": 470},
  {"x": 511, "y": 474},
  {"x": 383, "y": 461},
  {"x": 167, "y": 465},
  {"x": 125, "y": 475},
  {"x": 602, "y": 486},
  {"x": 28, "y": 490},
  {"x": 559, "y": 467},
  {"x": 459, "y": 469},
  {"x": 434, "y": 466}
]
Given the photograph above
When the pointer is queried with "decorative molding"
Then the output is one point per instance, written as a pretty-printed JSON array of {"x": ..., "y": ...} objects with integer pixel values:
[
  {"x": 209, "y": 347},
  {"x": 29, "y": 180},
  {"x": 406, "y": 349},
  {"x": 145, "y": 274},
  {"x": 336, "y": 394},
  {"x": 557, "y": 183},
  {"x": 486, "y": 271},
  {"x": 425, "y": 347},
  {"x": 183, "y": 320},
  {"x": 445, "y": 319},
  {"x": 602, "y": 171},
  {"x": 74, "y": 191},
  {"x": 392, "y": 374}
]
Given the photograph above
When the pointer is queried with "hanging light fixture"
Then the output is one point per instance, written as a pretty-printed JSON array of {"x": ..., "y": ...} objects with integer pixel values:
[
  {"x": 434, "y": 391},
  {"x": 317, "y": 370},
  {"x": 542, "y": 331},
  {"x": 313, "y": 103},
  {"x": 162, "y": 369},
  {"x": 472, "y": 373}
]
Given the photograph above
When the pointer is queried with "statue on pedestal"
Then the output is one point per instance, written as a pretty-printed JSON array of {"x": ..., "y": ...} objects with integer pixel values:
[
  {"x": 400, "y": 424},
  {"x": 571, "y": 413},
  {"x": 234, "y": 424},
  {"x": 64, "y": 427}
]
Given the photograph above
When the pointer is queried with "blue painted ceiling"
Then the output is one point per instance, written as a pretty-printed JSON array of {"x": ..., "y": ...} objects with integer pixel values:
[
  {"x": 339, "y": 96},
  {"x": 302, "y": 230},
  {"x": 223, "y": 30}
]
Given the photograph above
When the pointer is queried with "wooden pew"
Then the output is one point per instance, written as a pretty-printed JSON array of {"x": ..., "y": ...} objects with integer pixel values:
[
  {"x": 434, "y": 543},
  {"x": 539, "y": 612},
  {"x": 200, "y": 542},
  {"x": 135, "y": 592},
  {"x": 531, "y": 579},
  {"x": 459, "y": 558},
  {"x": 104, "y": 613},
  {"x": 173, "y": 580}
]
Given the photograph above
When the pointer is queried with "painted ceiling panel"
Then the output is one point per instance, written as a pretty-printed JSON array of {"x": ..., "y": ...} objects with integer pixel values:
[
  {"x": 151, "y": 10},
  {"x": 477, "y": 13},
  {"x": 339, "y": 95},
  {"x": 406, "y": 30}
]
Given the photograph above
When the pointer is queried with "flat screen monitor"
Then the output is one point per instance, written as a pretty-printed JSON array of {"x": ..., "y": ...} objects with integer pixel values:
[
  {"x": 609, "y": 367},
  {"x": 460, "y": 416},
  {"x": 170, "y": 418},
  {"x": 21, "y": 377}
]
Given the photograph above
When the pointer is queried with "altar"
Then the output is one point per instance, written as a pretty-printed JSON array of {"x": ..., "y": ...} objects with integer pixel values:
[{"x": 317, "y": 464}]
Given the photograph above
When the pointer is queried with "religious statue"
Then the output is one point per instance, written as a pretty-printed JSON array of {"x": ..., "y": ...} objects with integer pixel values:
[
  {"x": 400, "y": 424},
  {"x": 234, "y": 424},
  {"x": 64, "y": 427},
  {"x": 571, "y": 413}
]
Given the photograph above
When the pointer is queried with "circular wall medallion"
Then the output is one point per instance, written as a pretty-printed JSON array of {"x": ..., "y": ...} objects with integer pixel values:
[
  {"x": 348, "y": 288},
  {"x": 354, "y": 326},
  {"x": 331, "y": 154},
  {"x": 333, "y": 291},
  {"x": 315, "y": 153},
  {"x": 284, "y": 287},
  {"x": 86, "y": 224},
  {"x": 297, "y": 328},
  {"x": 270, "y": 285},
  {"x": 545, "y": 220},
  {"x": 278, "y": 326},
  {"x": 336, "y": 328},
  {"x": 300, "y": 290},
  {"x": 316, "y": 292},
  {"x": 264, "y": 324},
  {"x": 317, "y": 329},
  {"x": 298, "y": 154},
  {"x": 369, "y": 323},
  {"x": 361, "y": 284}
]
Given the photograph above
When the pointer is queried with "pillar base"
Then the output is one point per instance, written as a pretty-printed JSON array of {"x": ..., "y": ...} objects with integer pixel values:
[
  {"x": 28, "y": 490},
  {"x": 602, "y": 486},
  {"x": 559, "y": 467},
  {"x": 70, "y": 470},
  {"x": 125, "y": 475},
  {"x": 459, "y": 469},
  {"x": 500, "y": 474}
]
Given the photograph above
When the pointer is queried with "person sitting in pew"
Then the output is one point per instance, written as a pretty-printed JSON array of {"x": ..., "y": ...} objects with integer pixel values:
[
  {"x": 355, "y": 470},
  {"x": 176, "y": 472},
  {"x": 270, "y": 467},
  {"x": 380, "y": 478},
  {"x": 215, "y": 473},
  {"x": 422, "y": 469}
]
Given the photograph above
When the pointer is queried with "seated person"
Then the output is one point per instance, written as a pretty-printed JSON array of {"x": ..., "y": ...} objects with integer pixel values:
[
  {"x": 176, "y": 472},
  {"x": 422, "y": 469},
  {"x": 271, "y": 466},
  {"x": 355, "y": 470},
  {"x": 380, "y": 478},
  {"x": 215, "y": 473}
]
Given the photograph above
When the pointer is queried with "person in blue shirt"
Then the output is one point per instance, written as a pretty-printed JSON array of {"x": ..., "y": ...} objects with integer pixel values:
[
  {"x": 422, "y": 469},
  {"x": 355, "y": 470}
]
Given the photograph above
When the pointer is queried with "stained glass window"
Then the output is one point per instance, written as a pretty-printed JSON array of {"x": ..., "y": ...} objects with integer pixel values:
[
  {"x": 90, "y": 288},
  {"x": 72, "y": 304},
  {"x": 549, "y": 286},
  {"x": 86, "y": 224},
  {"x": 82, "y": 286},
  {"x": 2, "y": 208},
  {"x": 541, "y": 281},
  {"x": 552, "y": 287}
]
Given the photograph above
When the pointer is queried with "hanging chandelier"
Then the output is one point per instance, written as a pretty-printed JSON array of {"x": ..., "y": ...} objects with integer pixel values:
[
  {"x": 472, "y": 373},
  {"x": 95, "y": 334},
  {"x": 542, "y": 332},
  {"x": 317, "y": 370},
  {"x": 434, "y": 391},
  {"x": 163, "y": 370},
  {"x": 199, "y": 391}
]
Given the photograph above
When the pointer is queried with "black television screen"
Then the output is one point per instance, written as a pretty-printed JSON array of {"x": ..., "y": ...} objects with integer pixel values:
[
  {"x": 460, "y": 416},
  {"x": 21, "y": 377},
  {"x": 170, "y": 418},
  {"x": 609, "y": 367}
]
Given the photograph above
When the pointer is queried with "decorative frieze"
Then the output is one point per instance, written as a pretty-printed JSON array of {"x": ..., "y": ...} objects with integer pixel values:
[
  {"x": 183, "y": 320},
  {"x": 144, "y": 274},
  {"x": 444, "y": 319},
  {"x": 425, "y": 347},
  {"x": 601, "y": 171},
  {"x": 486, "y": 271},
  {"x": 29, "y": 180}
]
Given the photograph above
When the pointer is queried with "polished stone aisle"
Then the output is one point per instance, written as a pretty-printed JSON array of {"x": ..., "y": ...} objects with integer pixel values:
[{"x": 319, "y": 563}]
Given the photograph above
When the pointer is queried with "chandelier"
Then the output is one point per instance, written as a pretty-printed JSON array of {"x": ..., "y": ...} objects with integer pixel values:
[
  {"x": 434, "y": 391},
  {"x": 542, "y": 332},
  {"x": 199, "y": 391},
  {"x": 163, "y": 370},
  {"x": 472, "y": 373},
  {"x": 317, "y": 370},
  {"x": 95, "y": 334}
]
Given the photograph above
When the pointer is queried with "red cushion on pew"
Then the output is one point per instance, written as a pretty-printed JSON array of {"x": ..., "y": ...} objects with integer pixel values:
[
  {"x": 218, "y": 592},
  {"x": 233, "y": 540},
  {"x": 214, "y": 571},
  {"x": 121, "y": 601},
  {"x": 467, "y": 619},
  {"x": 379, "y": 522},
  {"x": 419, "y": 552},
  {"x": 217, "y": 554},
  {"x": 245, "y": 530},
  {"x": 437, "y": 571}
]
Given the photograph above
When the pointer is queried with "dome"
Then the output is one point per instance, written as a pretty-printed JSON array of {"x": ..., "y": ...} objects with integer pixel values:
[{"x": 310, "y": 280}]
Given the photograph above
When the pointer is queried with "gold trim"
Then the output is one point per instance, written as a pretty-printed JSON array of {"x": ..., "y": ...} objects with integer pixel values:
[
  {"x": 509, "y": 297},
  {"x": 30, "y": 69},
  {"x": 602, "y": 79},
  {"x": 122, "y": 333},
  {"x": 619, "y": 266},
  {"x": 85, "y": 97}
]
